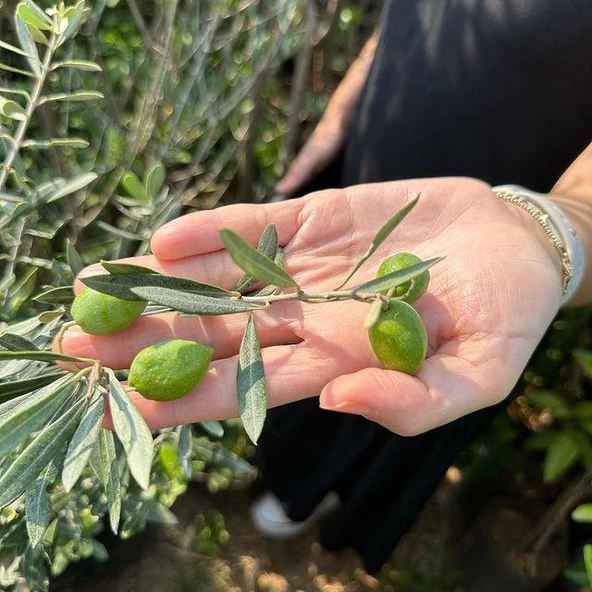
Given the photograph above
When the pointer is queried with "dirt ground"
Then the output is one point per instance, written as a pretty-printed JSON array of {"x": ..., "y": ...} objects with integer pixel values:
[{"x": 168, "y": 560}]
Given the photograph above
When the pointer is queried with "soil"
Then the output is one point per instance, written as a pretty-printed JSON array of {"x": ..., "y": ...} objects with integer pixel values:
[{"x": 166, "y": 559}]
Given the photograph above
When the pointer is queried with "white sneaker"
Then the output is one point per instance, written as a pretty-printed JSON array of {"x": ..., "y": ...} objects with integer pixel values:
[{"x": 269, "y": 518}]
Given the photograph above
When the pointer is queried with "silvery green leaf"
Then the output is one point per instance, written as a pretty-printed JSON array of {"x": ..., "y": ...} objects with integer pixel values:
[
  {"x": 396, "y": 278},
  {"x": 12, "y": 109},
  {"x": 254, "y": 263},
  {"x": 196, "y": 304},
  {"x": 28, "y": 45},
  {"x": 33, "y": 413},
  {"x": 13, "y": 388},
  {"x": 212, "y": 428},
  {"x": 55, "y": 142},
  {"x": 161, "y": 515},
  {"x": 38, "y": 510},
  {"x": 268, "y": 246},
  {"x": 49, "y": 316},
  {"x": 250, "y": 383},
  {"x": 71, "y": 186},
  {"x": 381, "y": 236},
  {"x": 114, "y": 268},
  {"x": 373, "y": 314},
  {"x": 75, "y": 15},
  {"x": 13, "y": 342},
  {"x": 110, "y": 477},
  {"x": 154, "y": 180},
  {"x": 218, "y": 455},
  {"x": 29, "y": 12},
  {"x": 185, "y": 448},
  {"x": 81, "y": 95},
  {"x": 132, "y": 431},
  {"x": 133, "y": 186},
  {"x": 40, "y": 356},
  {"x": 62, "y": 295},
  {"x": 38, "y": 454},
  {"x": 78, "y": 65},
  {"x": 83, "y": 441},
  {"x": 121, "y": 285},
  {"x": 12, "y": 48}
]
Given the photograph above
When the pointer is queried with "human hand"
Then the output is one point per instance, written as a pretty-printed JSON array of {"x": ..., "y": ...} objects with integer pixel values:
[{"x": 487, "y": 307}]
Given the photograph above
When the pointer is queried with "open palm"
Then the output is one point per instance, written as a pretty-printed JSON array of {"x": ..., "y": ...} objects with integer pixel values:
[{"x": 488, "y": 304}]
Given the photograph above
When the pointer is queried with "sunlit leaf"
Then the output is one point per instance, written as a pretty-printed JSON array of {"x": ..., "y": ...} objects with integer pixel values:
[
  {"x": 395, "y": 278},
  {"x": 72, "y": 185},
  {"x": 31, "y": 14},
  {"x": 40, "y": 356},
  {"x": 373, "y": 314},
  {"x": 62, "y": 295},
  {"x": 37, "y": 455},
  {"x": 561, "y": 456},
  {"x": 13, "y": 388},
  {"x": 582, "y": 513},
  {"x": 81, "y": 95},
  {"x": 75, "y": 17},
  {"x": 114, "y": 267},
  {"x": 12, "y": 109},
  {"x": 250, "y": 383},
  {"x": 55, "y": 143},
  {"x": 83, "y": 441},
  {"x": 212, "y": 428},
  {"x": 78, "y": 65},
  {"x": 268, "y": 246},
  {"x": 132, "y": 432},
  {"x": 133, "y": 186},
  {"x": 154, "y": 180},
  {"x": 381, "y": 236},
  {"x": 584, "y": 357},
  {"x": 255, "y": 263},
  {"x": 588, "y": 562},
  {"x": 28, "y": 45},
  {"x": 185, "y": 448}
]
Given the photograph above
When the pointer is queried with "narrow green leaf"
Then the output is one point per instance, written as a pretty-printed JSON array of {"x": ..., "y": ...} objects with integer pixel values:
[
  {"x": 254, "y": 263},
  {"x": 26, "y": 73},
  {"x": 551, "y": 401},
  {"x": 380, "y": 237},
  {"x": 84, "y": 65},
  {"x": 38, "y": 510},
  {"x": 561, "y": 456},
  {"x": 132, "y": 431},
  {"x": 32, "y": 414},
  {"x": 185, "y": 448},
  {"x": 37, "y": 35},
  {"x": 212, "y": 428},
  {"x": 250, "y": 383},
  {"x": 113, "y": 267},
  {"x": 62, "y": 295},
  {"x": 11, "y": 109},
  {"x": 13, "y": 49},
  {"x": 71, "y": 186},
  {"x": 268, "y": 246},
  {"x": 588, "y": 562},
  {"x": 582, "y": 513},
  {"x": 49, "y": 316},
  {"x": 13, "y": 342},
  {"x": 29, "y": 12},
  {"x": 14, "y": 388},
  {"x": 73, "y": 258},
  {"x": 133, "y": 186},
  {"x": 75, "y": 17},
  {"x": 161, "y": 515},
  {"x": 584, "y": 357},
  {"x": 195, "y": 304},
  {"x": 111, "y": 477},
  {"x": 120, "y": 285},
  {"x": 28, "y": 45},
  {"x": 55, "y": 143},
  {"x": 37, "y": 455},
  {"x": 39, "y": 356},
  {"x": 83, "y": 441},
  {"x": 154, "y": 180},
  {"x": 395, "y": 278},
  {"x": 81, "y": 95}
]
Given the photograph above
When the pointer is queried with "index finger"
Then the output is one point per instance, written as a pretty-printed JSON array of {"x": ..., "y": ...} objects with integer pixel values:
[{"x": 198, "y": 233}]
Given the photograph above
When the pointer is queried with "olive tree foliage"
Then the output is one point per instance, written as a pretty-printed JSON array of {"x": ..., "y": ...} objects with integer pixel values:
[{"x": 114, "y": 117}]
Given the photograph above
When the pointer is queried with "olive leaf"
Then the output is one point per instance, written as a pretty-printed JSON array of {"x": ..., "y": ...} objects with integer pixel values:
[
  {"x": 73, "y": 259},
  {"x": 39, "y": 356},
  {"x": 33, "y": 413},
  {"x": 270, "y": 289},
  {"x": 212, "y": 428},
  {"x": 121, "y": 285},
  {"x": 582, "y": 513},
  {"x": 13, "y": 342},
  {"x": 250, "y": 382},
  {"x": 268, "y": 246},
  {"x": 62, "y": 295},
  {"x": 561, "y": 455},
  {"x": 132, "y": 432},
  {"x": 373, "y": 314},
  {"x": 255, "y": 263},
  {"x": 380, "y": 237},
  {"x": 14, "y": 388},
  {"x": 185, "y": 448},
  {"x": 395, "y": 278},
  {"x": 110, "y": 476},
  {"x": 197, "y": 304},
  {"x": 115, "y": 268},
  {"x": 38, "y": 454},
  {"x": 83, "y": 441},
  {"x": 38, "y": 510},
  {"x": 154, "y": 180}
]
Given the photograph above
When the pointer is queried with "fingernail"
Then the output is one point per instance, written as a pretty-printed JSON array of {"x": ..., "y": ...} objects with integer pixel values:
[{"x": 345, "y": 407}]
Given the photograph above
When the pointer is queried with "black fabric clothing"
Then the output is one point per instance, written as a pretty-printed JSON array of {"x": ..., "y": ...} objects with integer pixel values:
[{"x": 495, "y": 89}]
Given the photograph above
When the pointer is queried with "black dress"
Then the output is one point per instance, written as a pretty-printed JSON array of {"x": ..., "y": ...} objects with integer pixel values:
[{"x": 500, "y": 90}]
